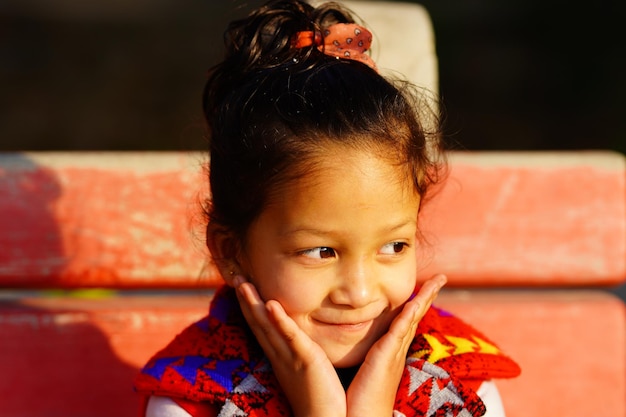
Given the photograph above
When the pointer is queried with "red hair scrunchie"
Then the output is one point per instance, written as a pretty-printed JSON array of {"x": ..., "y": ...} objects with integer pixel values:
[{"x": 341, "y": 40}]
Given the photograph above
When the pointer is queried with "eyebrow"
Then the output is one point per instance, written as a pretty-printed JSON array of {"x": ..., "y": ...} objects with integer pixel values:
[{"x": 321, "y": 232}]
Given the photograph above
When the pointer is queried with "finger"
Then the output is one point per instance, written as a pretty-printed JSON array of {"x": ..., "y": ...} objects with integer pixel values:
[
  {"x": 298, "y": 343},
  {"x": 282, "y": 321},
  {"x": 402, "y": 329},
  {"x": 405, "y": 324},
  {"x": 419, "y": 303},
  {"x": 417, "y": 307},
  {"x": 428, "y": 292},
  {"x": 255, "y": 313},
  {"x": 250, "y": 301},
  {"x": 277, "y": 333}
]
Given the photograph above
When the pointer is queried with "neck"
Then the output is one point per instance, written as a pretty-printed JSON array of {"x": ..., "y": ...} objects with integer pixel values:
[{"x": 346, "y": 375}]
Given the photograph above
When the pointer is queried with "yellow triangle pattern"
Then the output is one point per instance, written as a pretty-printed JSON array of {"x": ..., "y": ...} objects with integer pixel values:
[
  {"x": 461, "y": 345},
  {"x": 486, "y": 347},
  {"x": 455, "y": 346}
]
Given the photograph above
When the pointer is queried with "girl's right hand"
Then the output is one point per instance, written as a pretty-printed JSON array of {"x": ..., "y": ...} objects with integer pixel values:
[
  {"x": 373, "y": 389},
  {"x": 302, "y": 368}
]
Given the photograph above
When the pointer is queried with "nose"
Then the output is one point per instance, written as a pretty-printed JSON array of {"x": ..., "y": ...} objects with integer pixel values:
[{"x": 356, "y": 284}]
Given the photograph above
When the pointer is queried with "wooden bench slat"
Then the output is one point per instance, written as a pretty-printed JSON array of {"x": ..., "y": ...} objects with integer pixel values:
[
  {"x": 126, "y": 220},
  {"x": 536, "y": 219},
  {"x": 114, "y": 220}
]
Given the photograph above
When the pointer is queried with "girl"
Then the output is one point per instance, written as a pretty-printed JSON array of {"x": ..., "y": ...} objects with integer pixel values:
[{"x": 318, "y": 168}]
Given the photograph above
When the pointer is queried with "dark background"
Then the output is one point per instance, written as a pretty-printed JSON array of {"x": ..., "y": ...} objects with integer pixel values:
[{"x": 127, "y": 75}]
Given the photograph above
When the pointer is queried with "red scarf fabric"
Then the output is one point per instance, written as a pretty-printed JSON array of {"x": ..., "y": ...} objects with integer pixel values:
[{"x": 219, "y": 361}]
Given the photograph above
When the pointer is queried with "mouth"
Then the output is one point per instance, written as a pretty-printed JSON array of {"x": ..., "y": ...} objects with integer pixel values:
[
  {"x": 355, "y": 327},
  {"x": 348, "y": 326}
]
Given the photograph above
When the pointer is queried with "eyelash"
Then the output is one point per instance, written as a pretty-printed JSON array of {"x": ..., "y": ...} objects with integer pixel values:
[
  {"x": 402, "y": 245},
  {"x": 326, "y": 252},
  {"x": 330, "y": 252}
]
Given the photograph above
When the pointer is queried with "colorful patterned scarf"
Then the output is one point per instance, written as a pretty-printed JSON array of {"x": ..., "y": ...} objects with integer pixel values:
[{"x": 218, "y": 360}]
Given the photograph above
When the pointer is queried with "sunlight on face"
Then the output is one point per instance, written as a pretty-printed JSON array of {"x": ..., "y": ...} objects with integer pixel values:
[{"x": 337, "y": 250}]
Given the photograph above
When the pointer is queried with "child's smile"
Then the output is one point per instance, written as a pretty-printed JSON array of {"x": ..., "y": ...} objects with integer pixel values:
[{"x": 337, "y": 250}]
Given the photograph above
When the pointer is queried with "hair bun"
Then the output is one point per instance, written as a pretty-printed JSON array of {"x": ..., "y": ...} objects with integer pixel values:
[{"x": 265, "y": 38}]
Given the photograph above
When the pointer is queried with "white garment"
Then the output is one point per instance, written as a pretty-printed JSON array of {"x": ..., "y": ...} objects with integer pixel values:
[
  {"x": 488, "y": 392},
  {"x": 164, "y": 407}
]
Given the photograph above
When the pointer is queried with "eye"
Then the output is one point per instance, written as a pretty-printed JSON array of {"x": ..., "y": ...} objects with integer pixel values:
[
  {"x": 319, "y": 253},
  {"x": 393, "y": 248}
]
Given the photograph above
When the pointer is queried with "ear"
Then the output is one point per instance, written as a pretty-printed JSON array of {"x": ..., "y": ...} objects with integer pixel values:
[{"x": 225, "y": 250}]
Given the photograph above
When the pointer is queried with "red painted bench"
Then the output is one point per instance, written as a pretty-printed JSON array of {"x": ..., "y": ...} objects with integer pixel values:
[{"x": 529, "y": 242}]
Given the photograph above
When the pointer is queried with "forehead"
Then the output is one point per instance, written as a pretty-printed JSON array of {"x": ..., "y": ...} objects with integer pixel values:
[
  {"x": 343, "y": 186},
  {"x": 355, "y": 158}
]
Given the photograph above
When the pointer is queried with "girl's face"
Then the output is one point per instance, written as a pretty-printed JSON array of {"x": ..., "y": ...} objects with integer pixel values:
[{"x": 337, "y": 250}]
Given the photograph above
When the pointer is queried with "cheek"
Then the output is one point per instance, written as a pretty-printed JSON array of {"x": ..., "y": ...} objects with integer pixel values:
[
  {"x": 403, "y": 285},
  {"x": 288, "y": 287}
]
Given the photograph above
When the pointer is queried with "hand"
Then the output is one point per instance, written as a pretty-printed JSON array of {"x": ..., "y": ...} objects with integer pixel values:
[
  {"x": 302, "y": 368},
  {"x": 373, "y": 389},
  {"x": 306, "y": 374}
]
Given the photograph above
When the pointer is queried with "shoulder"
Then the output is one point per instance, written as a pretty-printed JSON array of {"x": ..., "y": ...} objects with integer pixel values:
[
  {"x": 168, "y": 407},
  {"x": 183, "y": 367}
]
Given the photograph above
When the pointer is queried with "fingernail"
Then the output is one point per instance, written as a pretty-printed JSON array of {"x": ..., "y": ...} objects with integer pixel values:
[
  {"x": 442, "y": 281},
  {"x": 238, "y": 280}
]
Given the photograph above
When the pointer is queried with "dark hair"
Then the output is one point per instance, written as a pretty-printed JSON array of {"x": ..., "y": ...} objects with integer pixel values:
[{"x": 272, "y": 109}]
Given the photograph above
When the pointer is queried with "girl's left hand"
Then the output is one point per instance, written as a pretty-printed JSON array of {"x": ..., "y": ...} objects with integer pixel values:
[{"x": 373, "y": 389}]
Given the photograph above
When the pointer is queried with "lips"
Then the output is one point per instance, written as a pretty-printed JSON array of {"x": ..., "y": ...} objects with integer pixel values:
[
  {"x": 349, "y": 318},
  {"x": 347, "y": 324},
  {"x": 352, "y": 326}
]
